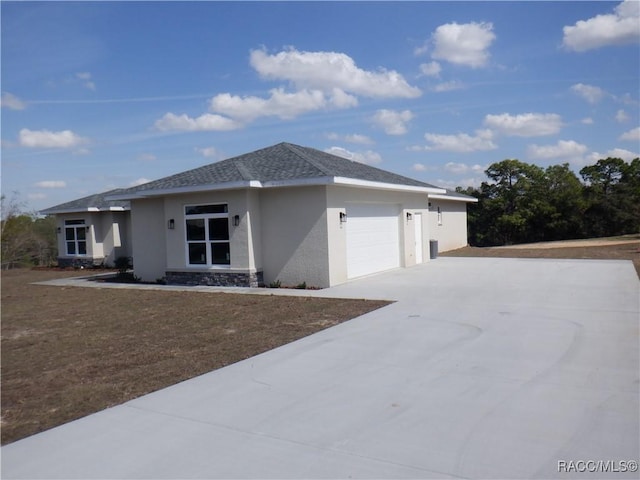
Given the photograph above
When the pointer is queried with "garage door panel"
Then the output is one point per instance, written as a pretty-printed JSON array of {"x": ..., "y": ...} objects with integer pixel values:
[{"x": 373, "y": 238}]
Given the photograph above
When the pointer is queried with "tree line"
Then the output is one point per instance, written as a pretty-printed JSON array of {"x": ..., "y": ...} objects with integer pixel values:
[
  {"x": 524, "y": 203},
  {"x": 26, "y": 239}
]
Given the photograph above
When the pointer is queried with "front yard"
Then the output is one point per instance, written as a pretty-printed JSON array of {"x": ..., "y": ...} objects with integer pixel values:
[{"x": 68, "y": 352}]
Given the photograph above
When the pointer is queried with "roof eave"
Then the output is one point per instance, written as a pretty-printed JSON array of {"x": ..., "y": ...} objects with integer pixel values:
[
  {"x": 181, "y": 190},
  {"x": 58, "y": 211},
  {"x": 453, "y": 198},
  {"x": 352, "y": 182}
]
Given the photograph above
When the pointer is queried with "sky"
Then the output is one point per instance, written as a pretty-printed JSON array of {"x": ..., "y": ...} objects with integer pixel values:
[{"x": 103, "y": 95}]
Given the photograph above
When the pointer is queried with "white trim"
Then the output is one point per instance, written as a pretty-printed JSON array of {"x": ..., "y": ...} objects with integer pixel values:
[
  {"x": 300, "y": 182},
  {"x": 82, "y": 210},
  {"x": 453, "y": 198},
  {"x": 385, "y": 186}
]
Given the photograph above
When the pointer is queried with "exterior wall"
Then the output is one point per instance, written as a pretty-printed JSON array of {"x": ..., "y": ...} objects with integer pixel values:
[
  {"x": 294, "y": 236},
  {"x": 94, "y": 254},
  {"x": 244, "y": 247},
  {"x": 108, "y": 237},
  {"x": 337, "y": 200},
  {"x": 452, "y": 232},
  {"x": 148, "y": 235}
]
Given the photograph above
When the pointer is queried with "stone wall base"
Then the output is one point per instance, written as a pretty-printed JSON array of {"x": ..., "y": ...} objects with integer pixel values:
[
  {"x": 215, "y": 279},
  {"x": 79, "y": 262}
]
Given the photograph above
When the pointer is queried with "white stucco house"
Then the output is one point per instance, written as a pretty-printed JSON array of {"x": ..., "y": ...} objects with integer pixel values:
[
  {"x": 92, "y": 231},
  {"x": 284, "y": 213}
]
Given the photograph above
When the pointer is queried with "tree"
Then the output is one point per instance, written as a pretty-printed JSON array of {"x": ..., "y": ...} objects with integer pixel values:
[
  {"x": 25, "y": 239},
  {"x": 611, "y": 193}
]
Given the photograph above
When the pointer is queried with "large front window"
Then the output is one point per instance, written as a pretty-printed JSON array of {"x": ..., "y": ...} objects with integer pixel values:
[
  {"x": 207, "y": 228},
  {"x": 75, "y": 232}
]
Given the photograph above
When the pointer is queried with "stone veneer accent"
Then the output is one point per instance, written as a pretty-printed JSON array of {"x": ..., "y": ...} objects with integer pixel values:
[
  {"x": 215, "y": 279},
  {"x": 79, "y": 262}
]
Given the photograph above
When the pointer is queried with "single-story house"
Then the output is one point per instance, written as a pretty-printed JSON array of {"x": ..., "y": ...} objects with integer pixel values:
[
  {"x": 285, "y": 213},
  {"x": 92, "y": 230}
]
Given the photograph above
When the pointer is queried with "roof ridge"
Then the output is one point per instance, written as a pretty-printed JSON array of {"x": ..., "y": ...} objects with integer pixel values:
[{"x": 301, "y": 151}]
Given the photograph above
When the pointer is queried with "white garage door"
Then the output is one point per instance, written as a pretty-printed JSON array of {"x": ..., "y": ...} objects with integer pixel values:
[{"x": 373, "y": 238}]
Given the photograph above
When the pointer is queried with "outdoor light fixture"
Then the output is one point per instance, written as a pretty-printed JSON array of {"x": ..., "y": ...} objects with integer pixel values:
[
  {"x": 171, "y": 224},
  {"x": 59, "y": 230},
  {"x": 343, "y": 217},
  {"x": 409, "y": 216},
  {"x": 236, "y": 220}
]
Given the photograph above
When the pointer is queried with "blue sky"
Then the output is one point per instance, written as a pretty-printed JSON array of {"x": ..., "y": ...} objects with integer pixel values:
[{"x": 100, "y": 95}]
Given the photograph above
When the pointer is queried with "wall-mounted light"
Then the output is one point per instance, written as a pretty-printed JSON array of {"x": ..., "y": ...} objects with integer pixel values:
[
  {"x": 236, "y": 220},
  {"x": 87, "y": 228},
  {"x": 409, "y": 216},
  {"x": 343, "y": 217},
  {"x": 171, "y": 224},
  {"x": 59, "y": 230}
]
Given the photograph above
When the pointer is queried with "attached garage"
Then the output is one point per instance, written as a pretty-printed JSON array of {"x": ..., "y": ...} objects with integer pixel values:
[{"x": 373, "y": 238}]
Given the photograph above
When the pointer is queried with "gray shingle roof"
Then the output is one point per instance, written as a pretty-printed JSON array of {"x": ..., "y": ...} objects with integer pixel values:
[
  {"x": 281, "y": 162},
  {"x": 97, "y": 201}
]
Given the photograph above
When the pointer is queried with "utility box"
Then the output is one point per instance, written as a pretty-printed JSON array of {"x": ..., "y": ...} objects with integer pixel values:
[{"x": 433, "y": 249}]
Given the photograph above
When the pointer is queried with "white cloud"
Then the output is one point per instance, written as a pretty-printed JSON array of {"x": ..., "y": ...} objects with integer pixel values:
[
  {"x": 464, "y": 182},
  {"x": 618, "y": 28},
  {"x": 621, "y": 116},
  {"x": 327, "y": 71},
  {"x": 562, "y": 149},
  {"x": 463, "y": 44},
  {"x": 393, "y": 122},
  {"x": 526, "y": 124},
  {"x": 146, "y": 157},
  {"x": 431, "y": 69},
  {"x": 632, "y": 135},
  {"x": 140, "y": 181},
  {"x": 205, "y": 122},
  {"x": 11, "y": 102},
  {"x": 209, "y": 152},
  {"x": 463, "y": 168},
  {"x": 587, "y": 121},
  {"x": 590, "y": 93},
  {"x": 448, "y": 86},
  {"x": 351, "y": 138},
  {"x": 48, "y": 139},
  {"x": 36, "y": 196},
  {"x": 461, "y": 142},
  {"x": 280, "y": 104},
  {"x": 419, "y": 167},
  {"x": 626, "y": 155},
  {"x": 85, "y": 78},
  {"x": 369, "y": 157},
  {"x": 51, "y": 184}
]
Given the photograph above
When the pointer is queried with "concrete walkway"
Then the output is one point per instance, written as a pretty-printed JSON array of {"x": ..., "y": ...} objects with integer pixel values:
[{"x": 483, "y": 368}]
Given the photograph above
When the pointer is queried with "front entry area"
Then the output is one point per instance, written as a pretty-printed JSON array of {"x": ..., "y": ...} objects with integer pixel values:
[{"x": 373, "y": 238}]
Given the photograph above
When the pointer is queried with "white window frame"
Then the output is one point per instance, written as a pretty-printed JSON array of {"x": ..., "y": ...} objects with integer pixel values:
[
  {"x": 76, "y": 225},
  {"x": 439, "y": 216},
  {"x": 207, "y": 241}
]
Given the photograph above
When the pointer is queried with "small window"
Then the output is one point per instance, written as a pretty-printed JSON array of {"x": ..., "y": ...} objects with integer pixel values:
[
  {"x": 439, "y": 216},
  {"x": 207, "y": 231},
  {"x": 205, "y": 209}
]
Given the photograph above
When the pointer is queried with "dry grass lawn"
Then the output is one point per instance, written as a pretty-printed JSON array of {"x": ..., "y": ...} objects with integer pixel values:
[{"x": 68, "y": 352}]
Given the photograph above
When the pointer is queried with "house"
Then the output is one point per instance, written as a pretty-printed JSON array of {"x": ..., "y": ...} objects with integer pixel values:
[
  {"x": 448, "y": 219},
  {"x": 285, "y": 213},
  {"x": 92, "y": 230}
]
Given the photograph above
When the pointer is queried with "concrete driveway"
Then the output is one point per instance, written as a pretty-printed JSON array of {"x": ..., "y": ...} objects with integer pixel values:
[{"x": 483, "y": 368}]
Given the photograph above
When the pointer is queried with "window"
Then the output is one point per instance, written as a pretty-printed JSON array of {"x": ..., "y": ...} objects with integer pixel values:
[
  {"x": 439, "y": 216},
  {"x": 207, "y": 228},
  {"x": 75, "y": 232}
]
